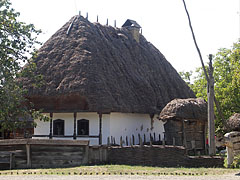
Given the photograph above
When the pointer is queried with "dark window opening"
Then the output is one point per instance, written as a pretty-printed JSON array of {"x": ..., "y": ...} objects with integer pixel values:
[
  {"x": 58, "y": 127},
  {"x": 83, "y": 127}
]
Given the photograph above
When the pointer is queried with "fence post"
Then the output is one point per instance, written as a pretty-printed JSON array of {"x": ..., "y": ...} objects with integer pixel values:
[
  {"x": 114, "y": 142},
  {"x": 174, "y": 141},
  {"x": 141, "y": 143},
  {"x": 151, "y": 141},
  {"x": 126, "y": 141},
  {"x": 28, "y": 151},
  {"x": 121, "y": 142},
  {"x": 230, "y": 156},
  {"x": 193, "y": 143},
  {"x": 133, "y": 140},
  {"x": 139, "y": 138},
  {"x": 111, "y": 140},
  {"x": 130, "y": 141},
  {"x": 108, "y": 141}
]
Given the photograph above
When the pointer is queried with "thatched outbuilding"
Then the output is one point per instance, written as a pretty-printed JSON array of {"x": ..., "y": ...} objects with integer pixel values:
[
  {"x": 233, "y": 123},
  {"x": 107, "y": 79},
  {"x": 186, "y": 122}
]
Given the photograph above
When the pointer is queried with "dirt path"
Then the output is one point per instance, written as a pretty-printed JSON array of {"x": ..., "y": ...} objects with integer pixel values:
[{"x": 116, "y": 177}]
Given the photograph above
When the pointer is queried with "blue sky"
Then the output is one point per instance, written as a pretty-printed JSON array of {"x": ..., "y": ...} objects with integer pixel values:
[{"x": 164, "y": 22}]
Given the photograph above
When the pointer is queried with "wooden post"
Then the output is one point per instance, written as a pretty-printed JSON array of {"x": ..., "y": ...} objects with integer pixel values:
[
  {"x": 163, "y": 143},
  {"x": 139, "y": 138},
  {"x": 100, "y": 128},
  {"x": 151, "y": 140},
  {"x": 174, "y": 141},
  {"x": 126, "y": 141},
  {"x": 133, "y": 139},
  {"x": 205, "y": 137},
  {"x": 11, "y": 161},
  {"x": 111, "y": 140},
  {"x": 193, "y": 143},
  {"x": 74, "y": 125},
  {"x": 130, "y": 141},
  {"x": 230, "y": 156},
  {"x": 184, "y": 135},
  {"x": 121, "y": 142},
  {"x": 211, "y": 124},
  {"x": 50, "y": 133},
  {"x": 108, "y": 141},
  {"x": 28, "y": 152}
]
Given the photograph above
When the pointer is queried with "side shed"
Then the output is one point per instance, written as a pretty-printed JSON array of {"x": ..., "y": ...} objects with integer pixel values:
[{"x": 186, "y": 123}]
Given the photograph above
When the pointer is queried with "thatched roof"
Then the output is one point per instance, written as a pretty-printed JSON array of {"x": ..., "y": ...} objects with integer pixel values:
[
  {"x": 189, "y": 109},
  {"x": 233, "y": 123},
  {"x": 88, "y": 66}
]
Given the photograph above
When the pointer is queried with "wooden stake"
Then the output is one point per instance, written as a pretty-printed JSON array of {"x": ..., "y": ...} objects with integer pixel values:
[
  {"x": 133, "y": 139},
  {"x": 121, "y": 142},
  {"x": 50, "y": 134}
]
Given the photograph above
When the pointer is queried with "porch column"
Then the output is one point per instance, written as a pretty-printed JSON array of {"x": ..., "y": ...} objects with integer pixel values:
[
  {"x": 74, "y": 126},
  {"x": 51, "y": 117},
  {"x": 100, "y": 128}
]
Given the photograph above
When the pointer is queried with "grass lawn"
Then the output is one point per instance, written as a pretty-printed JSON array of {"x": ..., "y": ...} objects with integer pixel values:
[{"x": 122, "y": 170}]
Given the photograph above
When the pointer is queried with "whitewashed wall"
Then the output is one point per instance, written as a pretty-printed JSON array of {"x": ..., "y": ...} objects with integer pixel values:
[
  {"x": 114, "y": 124},
  {"x": 128, "y": 124}
]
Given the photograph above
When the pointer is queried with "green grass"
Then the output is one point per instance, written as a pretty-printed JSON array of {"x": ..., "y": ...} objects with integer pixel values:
[{"x": 121, "y": 170}]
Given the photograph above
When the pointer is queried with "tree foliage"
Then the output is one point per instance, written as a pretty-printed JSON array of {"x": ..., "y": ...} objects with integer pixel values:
[
  {"x": 17, "y": 41},
  {"x": 226, "y": 65}
]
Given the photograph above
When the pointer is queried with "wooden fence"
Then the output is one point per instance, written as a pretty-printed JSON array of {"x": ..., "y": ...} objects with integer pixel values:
[
  {"x": 154, "y": 139},
  {"x": 39, "y": 153}
]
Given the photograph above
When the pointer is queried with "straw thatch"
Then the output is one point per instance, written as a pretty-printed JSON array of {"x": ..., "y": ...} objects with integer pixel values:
[
  {"x": 88, "y": 66},
  {"x": 233, "y": 123},
  {"x": 189, "y": 109}
]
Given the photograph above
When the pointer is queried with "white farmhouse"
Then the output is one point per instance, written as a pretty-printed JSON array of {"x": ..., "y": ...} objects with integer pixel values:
[{"x": 101, "y": 83}]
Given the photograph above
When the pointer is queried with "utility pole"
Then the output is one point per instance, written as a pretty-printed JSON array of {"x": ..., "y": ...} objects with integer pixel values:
[{"x": 211, "y": 124}]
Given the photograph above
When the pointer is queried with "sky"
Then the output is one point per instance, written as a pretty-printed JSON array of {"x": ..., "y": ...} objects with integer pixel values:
[{"x": 216, "y": 23}]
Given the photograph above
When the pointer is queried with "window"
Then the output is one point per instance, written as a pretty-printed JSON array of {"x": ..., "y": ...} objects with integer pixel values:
[
  {"x": 58, "y": 127},
  {"x": 83, "y": 127}
]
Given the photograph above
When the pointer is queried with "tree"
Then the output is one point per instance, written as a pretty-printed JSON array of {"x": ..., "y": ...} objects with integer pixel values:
[
  {"x": 226, "y": 65},
  {"x": 17, "y": 41}
]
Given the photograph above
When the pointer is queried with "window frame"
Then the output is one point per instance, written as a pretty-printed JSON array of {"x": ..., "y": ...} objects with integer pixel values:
[
  {"x": 78, "y": 125},
  {"x": 54, "y": 126}
]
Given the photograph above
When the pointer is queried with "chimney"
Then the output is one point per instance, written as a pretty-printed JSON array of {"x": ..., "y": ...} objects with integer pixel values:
[{"x": 133, "y": 27}]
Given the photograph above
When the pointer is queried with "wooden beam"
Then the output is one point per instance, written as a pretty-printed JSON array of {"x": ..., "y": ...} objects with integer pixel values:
[
  {"x": 8, "y": 142},
  {"x": 28, "y": 152},
  {"x": 74, "y": 126},
  {"x": 50, "y": 134},
  {"x": 211, "y": 124},
  {"x": 100, "y": 128}
]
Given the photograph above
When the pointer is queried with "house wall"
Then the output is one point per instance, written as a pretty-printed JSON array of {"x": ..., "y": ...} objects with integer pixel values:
[
  {"x": 114, "y": 124},
  {"x": 128, "y": 124}
]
